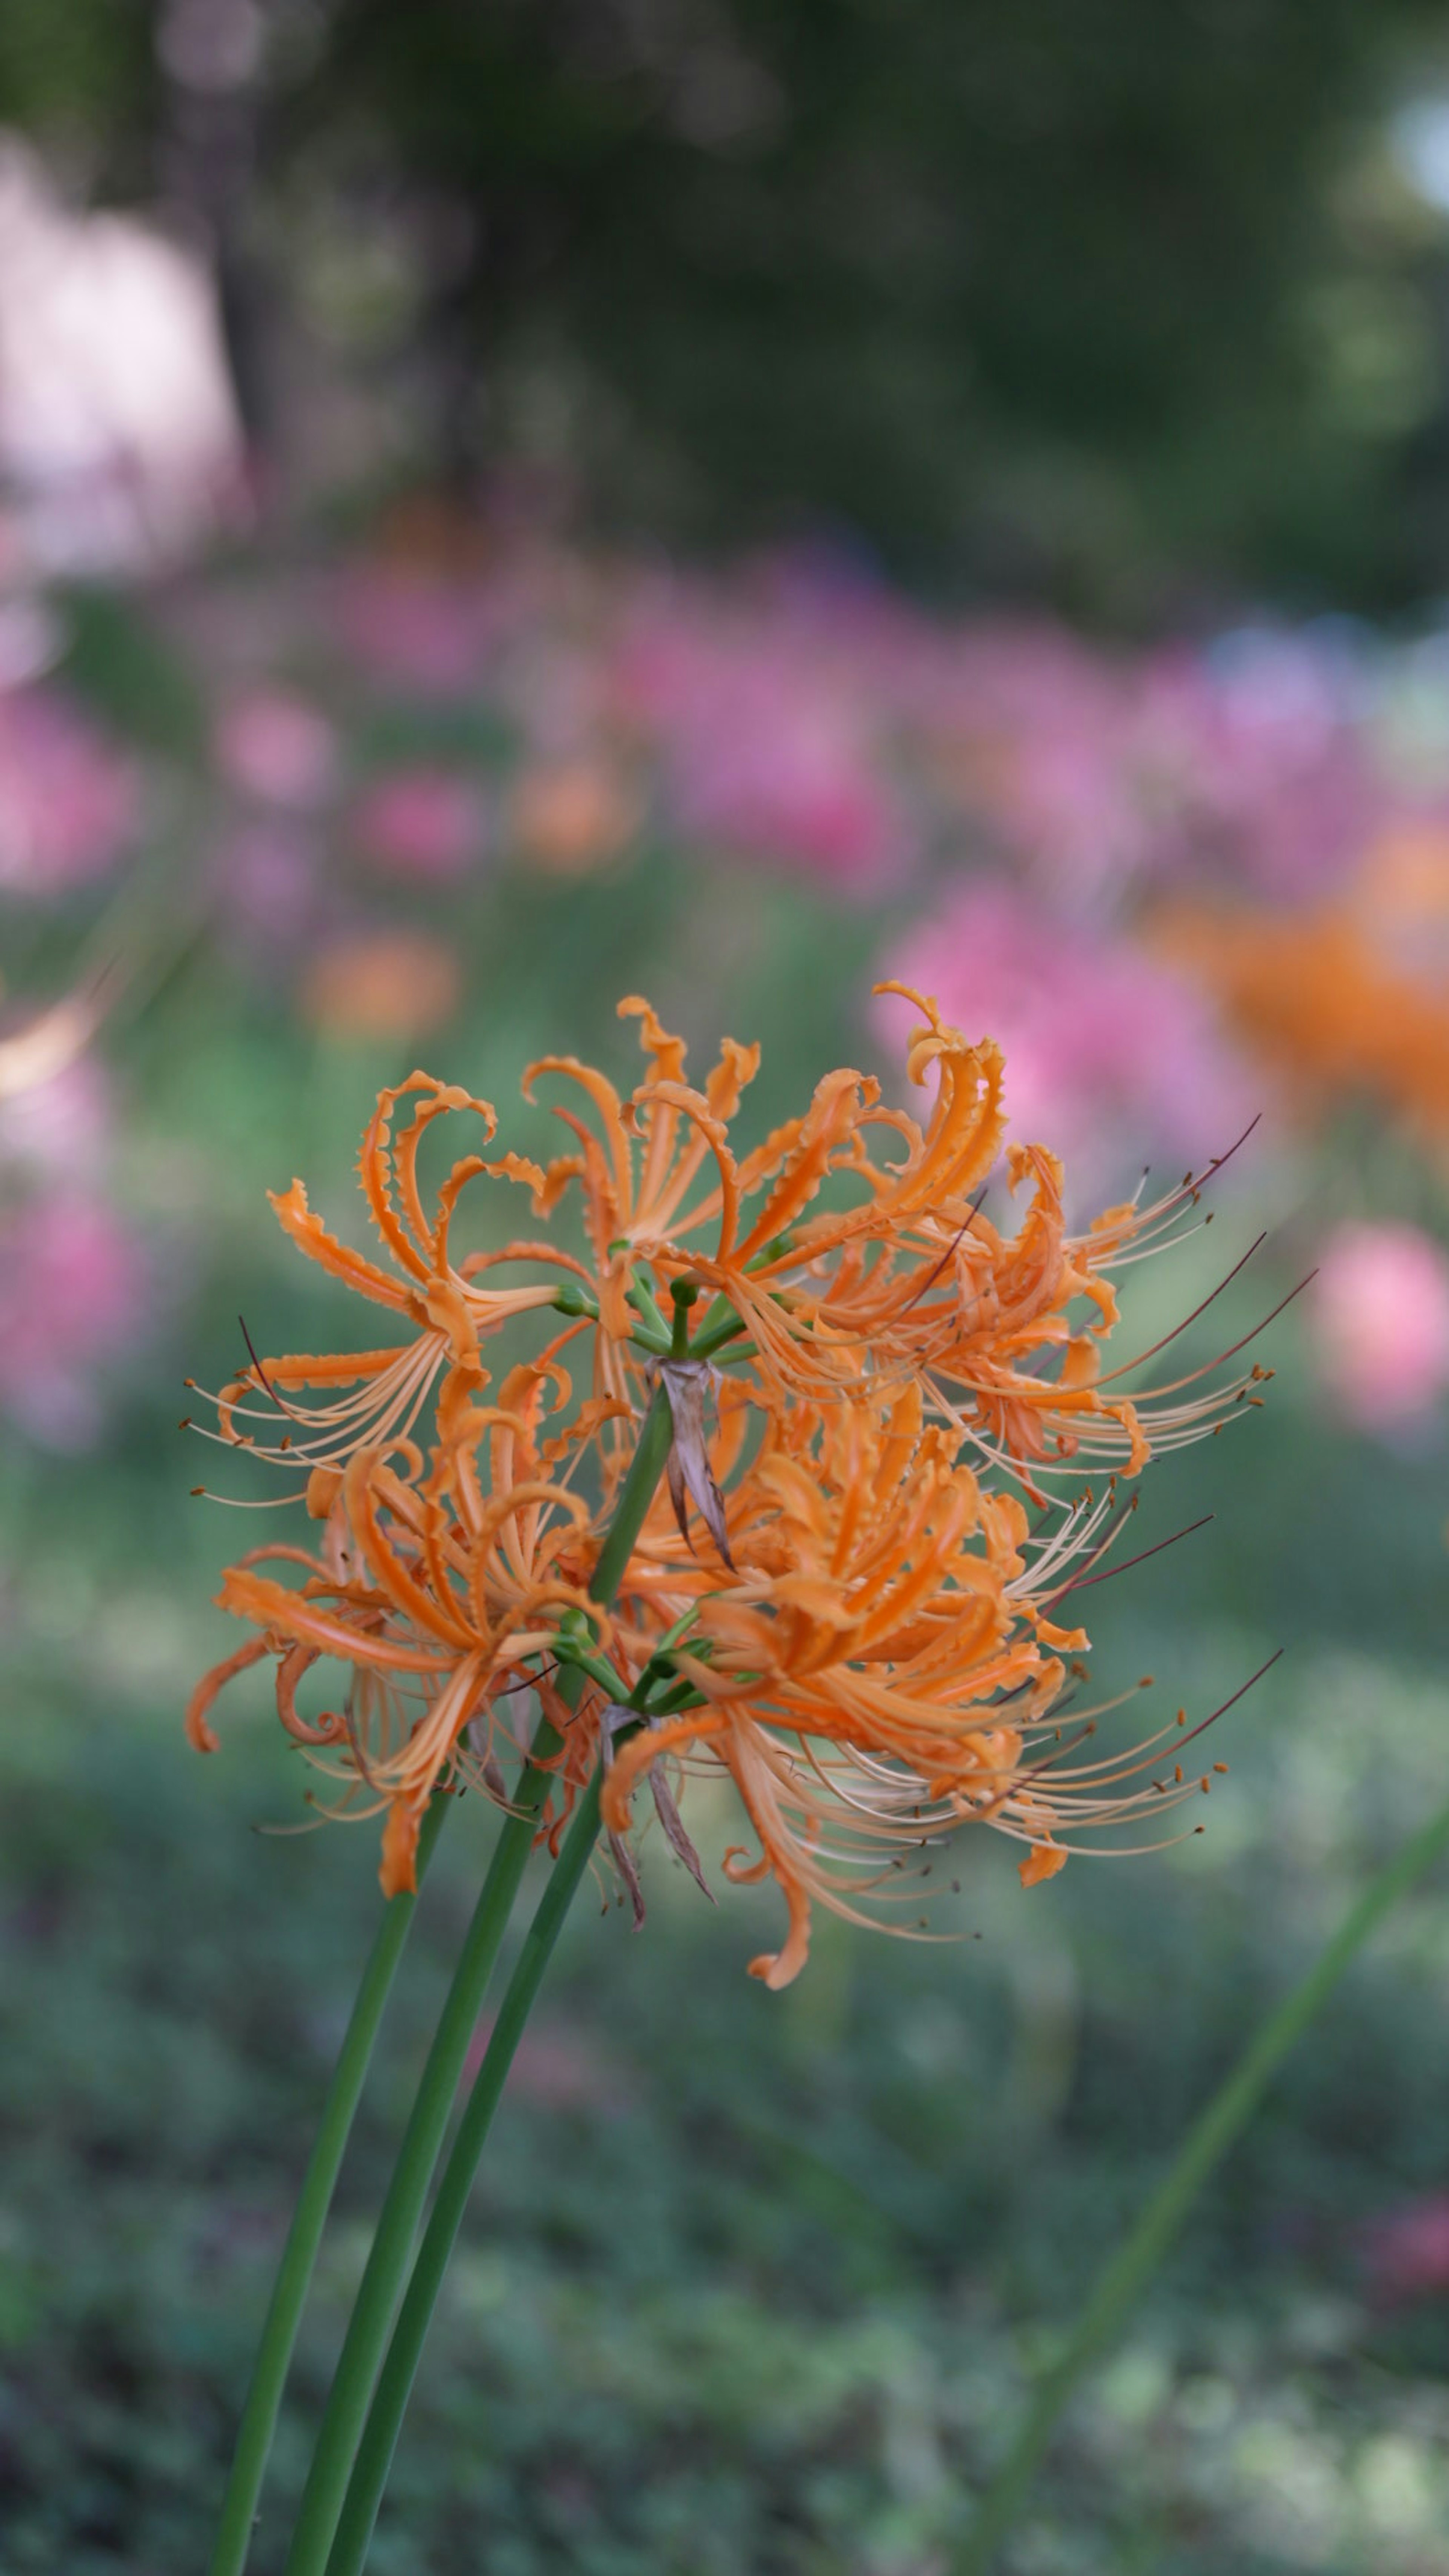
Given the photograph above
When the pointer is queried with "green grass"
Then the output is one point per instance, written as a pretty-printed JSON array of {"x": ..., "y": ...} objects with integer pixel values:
[{"x": 751, "y": 2282}]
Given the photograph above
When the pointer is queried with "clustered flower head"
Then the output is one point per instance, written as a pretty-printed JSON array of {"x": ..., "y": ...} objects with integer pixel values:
[
  {"x": 1324, "y": 1007},
  {"x": 894, "y": 1452}
]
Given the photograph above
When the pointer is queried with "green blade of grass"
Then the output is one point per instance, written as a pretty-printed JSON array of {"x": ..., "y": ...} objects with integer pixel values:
[{"x": 1212, "y": 2133}]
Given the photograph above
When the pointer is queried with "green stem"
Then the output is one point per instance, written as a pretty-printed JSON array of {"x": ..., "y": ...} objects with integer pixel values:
[
  {"x": 713, "y": 1334},
  {"x": 685, "y": 1295},
  {"x": 299, "y": 2256},
  {"x": 577, "y": 1659},
  {"x": 397, "y": 2228},
  {"x": 1228, "y": 2113},
  {"x": 394, "y": 2387},
  {"x": 635, "y": 1496},
  {"x": 392, "y": 2246},
  {"x": 646, "y": 1306}
]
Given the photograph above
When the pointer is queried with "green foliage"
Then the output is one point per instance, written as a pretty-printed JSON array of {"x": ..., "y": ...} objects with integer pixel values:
[
  {"x": 745, "y": 2283},
  {"x": 1030, "y": 297},
  {"x": 82, "y": 76},
  {"x": 1007, "y": 293}
]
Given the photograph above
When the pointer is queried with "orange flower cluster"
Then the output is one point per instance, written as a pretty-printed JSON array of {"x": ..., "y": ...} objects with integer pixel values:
[
  {"x": 856, "y": 1626},
  {"x": 1348, "y": 1002}
]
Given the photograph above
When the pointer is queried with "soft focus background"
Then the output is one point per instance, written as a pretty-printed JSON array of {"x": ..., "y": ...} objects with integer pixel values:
[{"x": 504, "y": 506}]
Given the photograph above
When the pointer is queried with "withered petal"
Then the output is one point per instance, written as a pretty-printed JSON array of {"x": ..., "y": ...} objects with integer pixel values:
[
  {"x": 674, "y": 1833},
  {"x": 688, "y": 1384},
  {"x": 627, "y": 1868}
]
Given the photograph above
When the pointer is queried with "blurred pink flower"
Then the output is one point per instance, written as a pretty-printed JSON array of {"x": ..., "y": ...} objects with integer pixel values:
[
  {"x": 764, "y": 750},
  {"x": 1108, "y": 1055},
  {"x": 267, "y": 882},
  {"x": 778, "y": 779},
  {"x": 424, "y": 823},
  {"x": 555, "y": 689},
  {"x": 429, "y": 635},
  {"x": 1406, "y": 2252},
  {"x": 1029, "y": 731},
  {"x": 1380, "y": 1318},
  {"x": 1246, "y": 759},
  {"x": 278, "y": 749},
  {"x": 1250, "y": 759},
  {"x": 69, "y": 802},
  {"x": 72, "y": 1298}
]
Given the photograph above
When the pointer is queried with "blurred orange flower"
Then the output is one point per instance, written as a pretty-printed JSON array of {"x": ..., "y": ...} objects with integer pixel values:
[
  {"x": 398, "y": 984},
  {"x": 1351, "y": 1000},
  {"x": 569, "y": 816}
]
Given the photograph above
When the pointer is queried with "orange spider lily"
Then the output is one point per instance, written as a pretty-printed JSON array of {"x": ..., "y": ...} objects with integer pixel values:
[
  {"x": 864, "y": 1637},
  {"x": 879, "y": 1667},
  {"x": 378, "y": 1396},
  {"x": 909, "y": 1278},
  {"x": 436, "y": 1587}
]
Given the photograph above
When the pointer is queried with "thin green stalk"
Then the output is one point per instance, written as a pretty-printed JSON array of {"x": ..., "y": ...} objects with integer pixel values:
[
  {"x": 635, "y": 1496},
  {"x": 655, "y": 1331},
  {"x": 712, "y": 1337},
  {"x": 394, "y": 2387},
  {"x": 1226, "y": 2115},
  {"x": 685, "y": 1295},
  {"x": 299, "y": 2256},
  {"x": 397, "y": 2227}
]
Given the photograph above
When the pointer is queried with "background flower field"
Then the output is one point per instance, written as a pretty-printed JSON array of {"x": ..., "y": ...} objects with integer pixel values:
[{"x": 298, "y": 790}]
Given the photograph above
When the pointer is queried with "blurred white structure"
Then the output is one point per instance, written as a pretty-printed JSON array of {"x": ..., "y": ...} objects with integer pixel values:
[
  {"x": 120, "y": 444},
  {"x": 1420, "y": 137}
]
